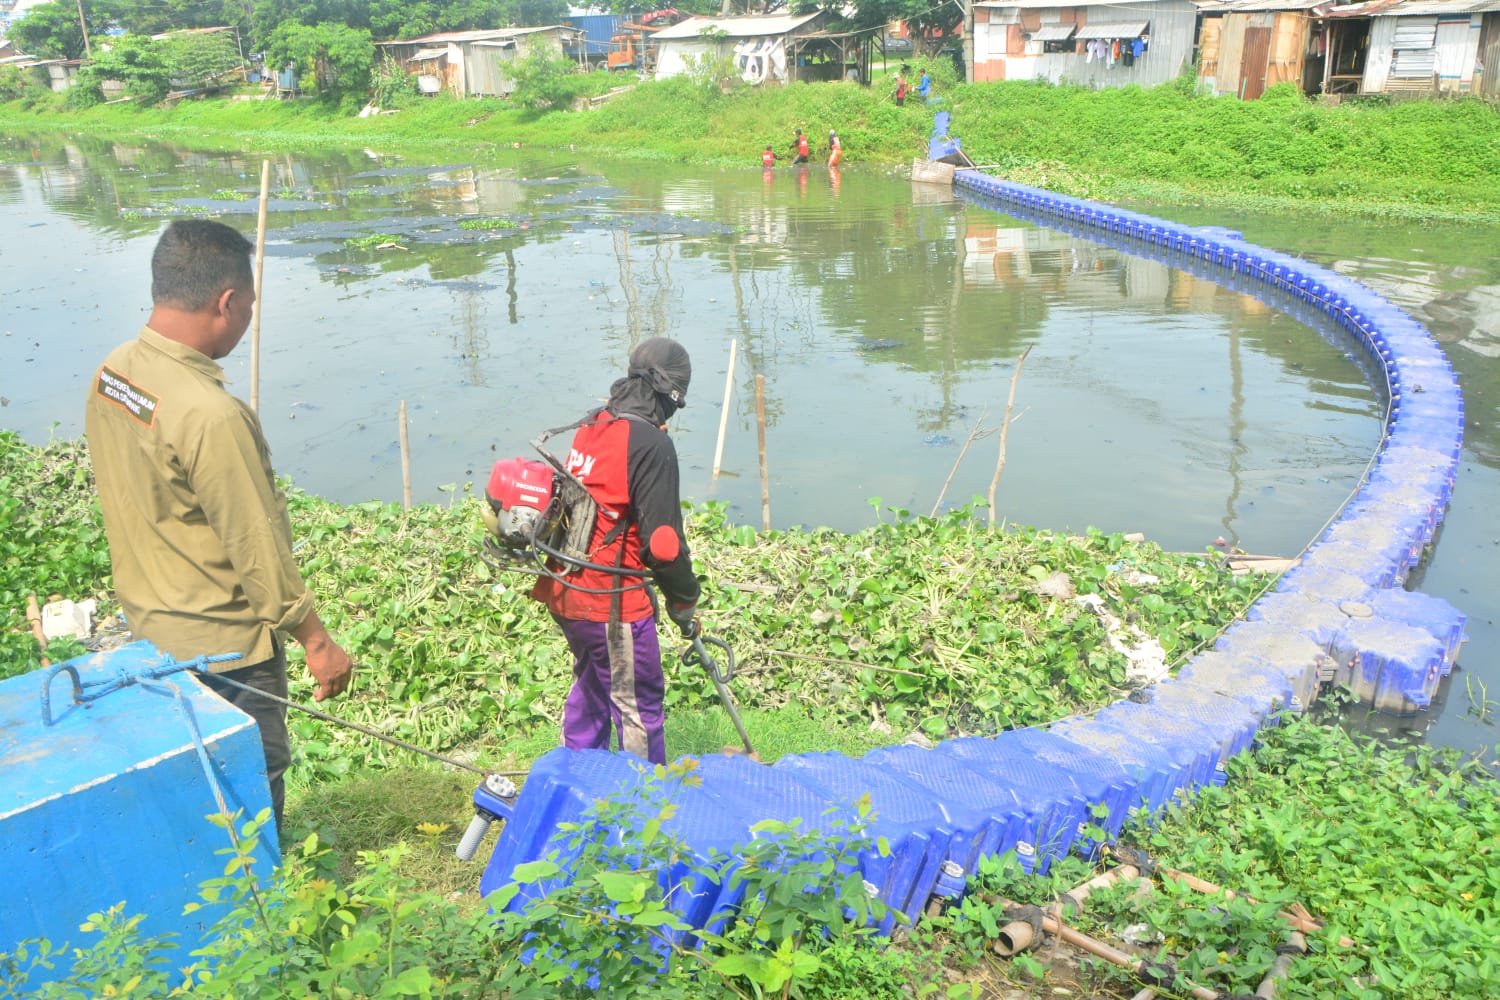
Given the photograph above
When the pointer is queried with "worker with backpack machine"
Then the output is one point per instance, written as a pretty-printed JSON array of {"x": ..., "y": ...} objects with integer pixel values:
[{"x": 599, "y": 530}]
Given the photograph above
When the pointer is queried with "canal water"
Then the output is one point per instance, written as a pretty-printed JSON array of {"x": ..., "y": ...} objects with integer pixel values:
[{"x": 499, "y": 297}]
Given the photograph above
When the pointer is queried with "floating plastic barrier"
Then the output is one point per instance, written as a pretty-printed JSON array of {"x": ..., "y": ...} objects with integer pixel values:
[{"x": 1340, "y": 614}]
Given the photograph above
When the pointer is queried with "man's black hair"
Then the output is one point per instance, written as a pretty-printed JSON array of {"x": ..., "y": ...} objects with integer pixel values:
[{"x": 195, "y": 260}]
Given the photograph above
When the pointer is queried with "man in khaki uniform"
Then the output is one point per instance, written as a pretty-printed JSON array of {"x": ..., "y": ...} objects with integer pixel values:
[{"x": 199, "y": 537}]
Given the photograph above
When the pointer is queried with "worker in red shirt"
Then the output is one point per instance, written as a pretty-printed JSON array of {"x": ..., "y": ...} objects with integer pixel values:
[
  {"x": 803, "y": 149},
  {"x": 625, "y": 458},
  {"x": 768, "y": 158}
]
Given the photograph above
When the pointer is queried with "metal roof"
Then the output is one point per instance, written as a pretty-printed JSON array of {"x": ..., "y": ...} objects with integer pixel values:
[
  {"x": 483, "y": 35},
  {"x": 1054, "y": 32},
  {"x": 1037, "y": 4},
  {"x": 1420, "y": 7},
  {"x": 1114, "y": 29},
  {"x": 1251, "y": 6},
  {"x": 736, "y": 27}
]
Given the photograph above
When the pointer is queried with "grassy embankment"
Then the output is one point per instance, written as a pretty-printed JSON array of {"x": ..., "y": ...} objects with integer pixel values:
[{"x": 1411, "y": 160}]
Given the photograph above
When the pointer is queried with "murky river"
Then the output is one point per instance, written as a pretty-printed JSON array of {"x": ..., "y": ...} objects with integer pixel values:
[{"x": 498, "y": 298}]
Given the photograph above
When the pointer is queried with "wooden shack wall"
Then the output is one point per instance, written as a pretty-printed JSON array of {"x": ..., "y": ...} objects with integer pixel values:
[
  {"x": 1289, "y": 29},
  {"x": 1487, "y": 79},
  {"x": 1209, "y": 34},
  {"x": 1288, "y": 48},
  {"x": 1231, "y": 48}
]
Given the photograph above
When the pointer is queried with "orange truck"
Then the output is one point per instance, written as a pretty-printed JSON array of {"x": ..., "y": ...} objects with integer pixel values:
[{"x": 632, "y": 47}]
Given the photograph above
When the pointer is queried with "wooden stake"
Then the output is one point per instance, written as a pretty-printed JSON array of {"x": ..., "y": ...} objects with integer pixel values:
[
  {"x": 734, "y": 346},
  {"x": 1010, "y": 401},
  {"x": 34, "y": 616},
  {"x": 760, "y": 427},
  {"x": 405, "y": 461},
  {"x": 260, "y": 284}
]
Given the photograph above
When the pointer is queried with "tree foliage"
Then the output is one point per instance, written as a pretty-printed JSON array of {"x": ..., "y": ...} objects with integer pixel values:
[
  {"x": 336, "y": 58},
  {"x": 51, "y": 30},
  {"x": 931, "y": 26},
  {"x": 132, "y": 60},
  {"x": 150, "y": 69}
]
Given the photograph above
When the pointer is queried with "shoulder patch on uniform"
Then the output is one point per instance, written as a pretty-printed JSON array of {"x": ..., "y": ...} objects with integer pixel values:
[{"x": 122, "y": 392}]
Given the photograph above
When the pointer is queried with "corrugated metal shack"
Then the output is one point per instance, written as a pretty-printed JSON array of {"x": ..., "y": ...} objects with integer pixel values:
[
  {"x": 1245, "y": 46},
  {"x": 1428, "y": 45},
  {"x": 1097, "y": 43},
  {"x": 474, "y": 63},
  {"x": 773, "y": 49}
]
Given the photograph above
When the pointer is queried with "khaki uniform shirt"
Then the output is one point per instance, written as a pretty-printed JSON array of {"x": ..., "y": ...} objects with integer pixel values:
[{"x": 199, "y": 536}]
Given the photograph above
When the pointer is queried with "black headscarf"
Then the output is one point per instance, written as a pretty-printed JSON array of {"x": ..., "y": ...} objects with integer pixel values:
[{"x": 656, "y": 384}]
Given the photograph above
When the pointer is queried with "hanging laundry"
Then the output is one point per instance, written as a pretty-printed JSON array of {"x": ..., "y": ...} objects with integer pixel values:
[{"x": 1137, "y": 47}]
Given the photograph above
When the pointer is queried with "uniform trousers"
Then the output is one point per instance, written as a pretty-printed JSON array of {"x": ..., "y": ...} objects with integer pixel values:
[
  {"x": 617, "y": 682},
  {"x": 270, "y": 716}
]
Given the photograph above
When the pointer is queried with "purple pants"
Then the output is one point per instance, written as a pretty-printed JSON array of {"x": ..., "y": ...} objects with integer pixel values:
[{"x": 616, "y": 678}]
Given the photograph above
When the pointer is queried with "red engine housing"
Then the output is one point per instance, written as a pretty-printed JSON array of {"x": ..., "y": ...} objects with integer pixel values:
[{"x": 520, "y": 494}]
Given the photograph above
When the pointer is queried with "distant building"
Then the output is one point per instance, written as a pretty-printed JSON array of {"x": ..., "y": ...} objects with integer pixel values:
[
  {"x": 1383, "y": 46},
  {"x": 770, "y": 49},
  {"x": 1096, "y": 43},
  {"x": 476, "y": 63}
]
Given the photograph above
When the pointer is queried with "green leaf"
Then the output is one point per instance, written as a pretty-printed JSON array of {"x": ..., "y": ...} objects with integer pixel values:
[
  {"x": 623, "y": 887},
  {"x": 535, "y": 871}
]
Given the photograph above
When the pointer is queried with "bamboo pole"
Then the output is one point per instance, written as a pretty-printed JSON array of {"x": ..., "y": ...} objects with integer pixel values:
[
  {"x": 1020, "y": 938},
  {"x": 734, "y": 346},
  {"x": 405, "y": 461},
  {"x": 260, "y": 283},
  {"x": 1010, "y": 402},
  {"x": 760, "y": 427}
]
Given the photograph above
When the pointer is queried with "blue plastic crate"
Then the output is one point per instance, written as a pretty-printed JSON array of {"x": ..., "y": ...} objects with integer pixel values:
[
  {"x": 1099, "y": 779},
  {"x": 1433, "y": 615},
  {"x": 962, "y": 791},
  {"x": 1295, "y": 656},
  {"x": 1046, "y": 791},
  {"x": 1227, "y": 720},
  {"x": 1176, "y": 733},
  {"x": 1265, "y": 692},
  {"x": 921, "y": 834},
  {"x": 1395, "y": 668}
]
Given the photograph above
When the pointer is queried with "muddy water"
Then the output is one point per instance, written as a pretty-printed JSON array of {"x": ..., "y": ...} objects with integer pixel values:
[{"x": 498, "y": 298}]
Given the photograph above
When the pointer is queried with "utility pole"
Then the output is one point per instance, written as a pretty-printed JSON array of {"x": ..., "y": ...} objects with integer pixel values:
[{"x": 83, "y": 26}]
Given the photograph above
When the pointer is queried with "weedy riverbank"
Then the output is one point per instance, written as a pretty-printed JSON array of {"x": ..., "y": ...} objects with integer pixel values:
[
  {"x": 1414, "y": 160},
  {"x": 915, "y": 626}
]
